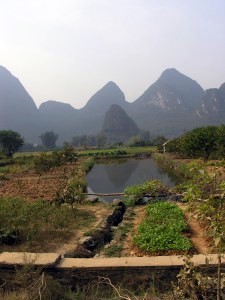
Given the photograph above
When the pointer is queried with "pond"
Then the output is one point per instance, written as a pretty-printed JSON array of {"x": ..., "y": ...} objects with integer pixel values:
[{"x": 115, "y": 176}]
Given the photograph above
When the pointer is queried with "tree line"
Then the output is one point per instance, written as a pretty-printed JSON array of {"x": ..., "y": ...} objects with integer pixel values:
[{"x": 203, "y": 142}]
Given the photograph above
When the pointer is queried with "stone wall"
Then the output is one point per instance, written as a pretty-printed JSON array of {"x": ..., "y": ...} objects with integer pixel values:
[{"x": 128, "y": 271}]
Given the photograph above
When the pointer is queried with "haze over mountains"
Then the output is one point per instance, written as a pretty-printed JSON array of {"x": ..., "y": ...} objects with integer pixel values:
[{"x": 173, "y": 104}]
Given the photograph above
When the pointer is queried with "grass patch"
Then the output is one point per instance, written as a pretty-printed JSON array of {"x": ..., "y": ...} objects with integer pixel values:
[
  {"x": 162, "y": 229},
  {"x": 124, "y": 229},
  {"x": 4, "y": 170},
  {"x": 113, "y": 251},
  {"x": 38, "y": 224},
  {"x": 124, "y": 151},
  {"x": 88, "y": 164}
]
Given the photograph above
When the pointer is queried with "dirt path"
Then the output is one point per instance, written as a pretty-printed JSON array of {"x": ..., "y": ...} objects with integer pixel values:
[
  {"x": 129, "y": 249},
  {"x": 198, "y": 236},
  {"x": 101, "y": 213}
]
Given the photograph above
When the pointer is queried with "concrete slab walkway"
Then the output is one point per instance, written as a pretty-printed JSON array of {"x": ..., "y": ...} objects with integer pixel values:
[{"x": 8, "y": 259}]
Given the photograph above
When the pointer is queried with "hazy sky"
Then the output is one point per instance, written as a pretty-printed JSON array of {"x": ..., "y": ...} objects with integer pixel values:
[{"x": 66, "y": 50}]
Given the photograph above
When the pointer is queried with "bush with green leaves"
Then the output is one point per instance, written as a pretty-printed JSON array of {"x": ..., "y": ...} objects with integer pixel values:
[
  {"x": 162, "y": 229},
  {"x": 47, "y": 161},
  {"x": 10, "y": 142},
  {"x": 203, "y": 142},
  {"x": 151, "y": 187},
  {"x": 72, "y": 193}
]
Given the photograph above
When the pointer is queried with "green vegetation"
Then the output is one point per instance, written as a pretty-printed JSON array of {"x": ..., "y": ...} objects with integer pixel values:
[
  {"x": 203, "y": 142},
  {"x": 49, "y": 139},
  {"x": 28, "y": 222},
  {"x": 114, "y": 152},
  {"x": 73, "y": 192},
  {"x": 25, "y": 223},
  {"x": 47, "y": 161},
  {"x": 203, "y": 191},
  {"x": 205, "y": 197},
  {"x": 18, "y": 164},
  {"x": 88, "y": 164},
  {"x": 104, "y": 153},
  {"x": 135, "y": 193},
  {"x": 180, "y": 170},
  {"x": 10, "y": 142},
  {"x": 162, "y": 229},
  {"x": 113, "y": 251}
]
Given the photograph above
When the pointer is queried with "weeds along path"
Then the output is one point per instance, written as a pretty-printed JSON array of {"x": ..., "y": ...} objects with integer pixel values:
[
  {"x": 198, "y": 237},
  {"x": 101, "y": 212},
  {"x": 129, "y": 249}
]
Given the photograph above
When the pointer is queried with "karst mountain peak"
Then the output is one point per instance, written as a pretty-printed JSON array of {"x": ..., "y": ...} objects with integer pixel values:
[{"x": 172, "y": 104}]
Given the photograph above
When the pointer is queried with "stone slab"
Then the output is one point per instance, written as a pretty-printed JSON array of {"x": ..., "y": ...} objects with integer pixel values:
[
  {"x": 47, "y": 260},
  {"x": 116, "y": 262},
  {"x": 198, "y": 259},
  {"x": 126, "y": 262},
  {"x": 10, "y": 259}
]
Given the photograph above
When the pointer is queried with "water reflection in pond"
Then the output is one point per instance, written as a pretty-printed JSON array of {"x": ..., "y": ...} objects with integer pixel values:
[{"x": 114, "y": 177}]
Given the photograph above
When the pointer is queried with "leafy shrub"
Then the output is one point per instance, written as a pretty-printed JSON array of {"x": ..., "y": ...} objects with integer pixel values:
[
  {"x": 151, "y": 187},
  {"x": 46, "y": 162},
  {"x": 203, "y": 142},
  {"x": 73, "y": 193}
]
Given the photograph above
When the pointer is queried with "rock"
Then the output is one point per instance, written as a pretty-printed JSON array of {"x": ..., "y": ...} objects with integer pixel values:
[
  {"x": 92, "y": 200},
  {"x": 84, "y": 239},
  {"x": 12, "y": 259},
  {"x": 113, "y": 242},
  {"x": 117, "y": 216},
  {"x": 117, "y": 202},
  {"x": 99, "y": 238},
  {"x": 113, "y": 228},
  {"x": 80, "y": 252}
]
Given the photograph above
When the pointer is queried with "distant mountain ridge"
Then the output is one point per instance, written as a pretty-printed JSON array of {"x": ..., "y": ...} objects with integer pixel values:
[
  {"x": 168, "y": 105},
  {"x": 170, "y": 91},
  {"x": 173, "y": 104},
  {"x": 17, "y": 109}
]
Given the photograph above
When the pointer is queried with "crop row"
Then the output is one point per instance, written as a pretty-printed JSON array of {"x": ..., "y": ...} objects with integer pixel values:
[{"x": 162, "y": 229}]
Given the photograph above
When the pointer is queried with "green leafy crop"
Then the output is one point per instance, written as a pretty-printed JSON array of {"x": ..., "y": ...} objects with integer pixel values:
[{"x": 162, "y": 229}]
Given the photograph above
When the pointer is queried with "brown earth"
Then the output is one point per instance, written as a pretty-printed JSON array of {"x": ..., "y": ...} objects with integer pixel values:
[
  {"x": 198, "y": 235},
  {"x": 30, "y": 186},
  {"x": 129, "y": 249}
]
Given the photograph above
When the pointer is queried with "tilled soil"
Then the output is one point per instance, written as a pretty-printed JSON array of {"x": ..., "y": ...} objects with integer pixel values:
[{"x": 30, "y": 186}]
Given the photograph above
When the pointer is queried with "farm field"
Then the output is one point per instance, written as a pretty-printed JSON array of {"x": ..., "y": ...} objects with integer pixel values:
[
  {"x": 24, "y": 182},
  {"x": 40, "y": 211}
]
